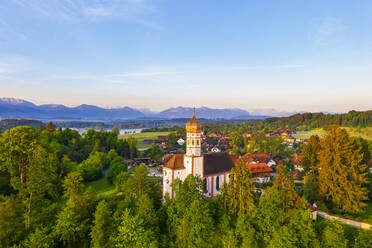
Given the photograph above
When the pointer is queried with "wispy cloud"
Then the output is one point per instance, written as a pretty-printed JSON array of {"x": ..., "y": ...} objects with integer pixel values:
[
  {"x": 91, "y": 10},
  {"x": 258, "y": 67}
]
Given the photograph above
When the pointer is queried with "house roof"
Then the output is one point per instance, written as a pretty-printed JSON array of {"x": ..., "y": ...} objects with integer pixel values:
[
  {"x": 176, "y": 162},
  {"x": 260, "y": 157},
  {"x": 259, "y": 168},
  {"x": 257, "y": 155},
  {"x": 217, "y": 163}
]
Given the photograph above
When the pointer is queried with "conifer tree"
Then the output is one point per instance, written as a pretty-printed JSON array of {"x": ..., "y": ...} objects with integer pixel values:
[
  {"x": 342, "y": 175},
  {"x": 50, "y": 127},
  {"x": 238, "y": 194},
  {"x": 190, "y": 216},
  {"x": 364, "y": 239},
  {"x": 133, "y": 234},
  {"x": 285, "y": 186},
  {"x": 12, "y": 227},
  {"x": 334, "y": 236},
  {"x": 40, "y": 186},
  {"x": 73, "y": 222},
  {"x": 102, "y": 228},
  {"x": 309, "y": 156}
]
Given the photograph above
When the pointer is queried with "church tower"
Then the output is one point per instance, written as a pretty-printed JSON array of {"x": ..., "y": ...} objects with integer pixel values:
[
  {"x": 193, "y": 159},
  {"x": 193, "y": 136}
]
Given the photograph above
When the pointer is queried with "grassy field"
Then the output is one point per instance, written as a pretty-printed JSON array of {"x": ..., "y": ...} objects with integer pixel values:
[
  {"x": 365, "y": 132},
  {"x": 102, "y": 188},
  {"x": 142, "y": 136}
]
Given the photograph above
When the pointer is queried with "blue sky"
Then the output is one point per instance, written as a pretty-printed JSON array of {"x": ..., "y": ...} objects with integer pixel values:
[{"x": 287, "y": 55}]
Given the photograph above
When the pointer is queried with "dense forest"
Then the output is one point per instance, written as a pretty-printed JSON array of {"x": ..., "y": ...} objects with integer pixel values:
[
  {"x": 308, "y": 121},
  {"x": 10, "y": 123},
  {"x": 44, "y": 202}
]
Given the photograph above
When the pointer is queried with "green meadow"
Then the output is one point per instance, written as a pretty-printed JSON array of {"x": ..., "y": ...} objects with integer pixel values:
[{"x": 143, "y": 136}]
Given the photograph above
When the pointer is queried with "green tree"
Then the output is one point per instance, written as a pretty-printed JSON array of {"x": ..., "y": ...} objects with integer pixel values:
[
  {"x": 246, "y": 233},
  {"x": 50, "y": 127},
  {"x": 154, "y": 152},
  {"x": 237, "y": 139},
  {"x": 117, "y": 165},
  {"x": 74, "y": 221},
  {"x": 120, "y": 181},
  {"x": 102, "y": 227},
  {"x": 284, "y": 227},
  {"x": 238, "y": 194},
  {"x": 364, "y": 239},
  {"x": 190, "y": 216},
  {"x": 284, "y": 183},
  {"x": 40, "y": 238},
  {"x": 12, "y": 227},
  {"x": 333, "y": 236},
  {"x": 40, "y": 185},
  {"x": 92, "y": 168},
  {"x": 133, "y": 233},
  {"x": 132, "y": 143},
  {"x": 72, "y": 185},
  {"x": 16, "y": 146},
  {"x": 309, "y": 156},
  {"x": 226, "y": 233},
  {"x": 310, "y": 188},
  {"x": 342, "y": 175}
]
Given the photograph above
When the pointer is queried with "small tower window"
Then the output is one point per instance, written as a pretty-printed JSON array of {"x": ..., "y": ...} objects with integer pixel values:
[
  {"x": 205, "y": 184},
  {"x": 197, "y": 142},
  {"x": 193, "y": 142},
  {"x": 218, "y": 183}
]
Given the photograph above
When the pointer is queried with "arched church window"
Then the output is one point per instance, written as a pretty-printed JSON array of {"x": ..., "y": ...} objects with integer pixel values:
[
  {"x": 205, "y": 184},
  {"x": 197, "y": 142},
  {"x": 218, "y": 183},
  {"x": 193, "y": 142}
]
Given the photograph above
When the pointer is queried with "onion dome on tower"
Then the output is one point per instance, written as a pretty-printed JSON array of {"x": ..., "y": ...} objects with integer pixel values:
[{"x": 193, "y": 125}]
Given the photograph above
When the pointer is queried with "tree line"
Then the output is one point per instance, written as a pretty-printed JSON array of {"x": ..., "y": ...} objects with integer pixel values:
[{"x": 307, "y": 121}]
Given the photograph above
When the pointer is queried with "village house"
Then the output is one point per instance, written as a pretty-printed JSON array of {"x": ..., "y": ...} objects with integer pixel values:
[
  {"x": 260, "y": 171},
  {"x": 258, "y": 157}
]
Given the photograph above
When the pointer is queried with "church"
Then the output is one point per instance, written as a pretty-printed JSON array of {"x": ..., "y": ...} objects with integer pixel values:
[{"x": 214, "y": 168}]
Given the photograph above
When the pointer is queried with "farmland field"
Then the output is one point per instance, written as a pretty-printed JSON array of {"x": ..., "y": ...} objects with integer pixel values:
[
  {"x": 145, "y": 135},
  {"x": 364, "y": 132}
]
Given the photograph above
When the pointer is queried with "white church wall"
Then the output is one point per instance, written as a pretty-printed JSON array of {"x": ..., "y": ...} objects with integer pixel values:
[
  {"x": 198, "y": 166},
  {"x": 188, "y": 164},
  {"x": 167, "y": 181}
]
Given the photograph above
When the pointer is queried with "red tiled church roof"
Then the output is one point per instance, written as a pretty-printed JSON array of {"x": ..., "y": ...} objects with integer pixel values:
[{"x": 176, "y": 162}]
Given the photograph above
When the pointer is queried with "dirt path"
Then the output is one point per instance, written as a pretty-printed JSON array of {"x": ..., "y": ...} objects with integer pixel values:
[{"x": 353, "y": 223}]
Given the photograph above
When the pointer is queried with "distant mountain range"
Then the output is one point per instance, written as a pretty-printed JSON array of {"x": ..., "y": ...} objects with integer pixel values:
[{"x": 18, "y": 108}]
